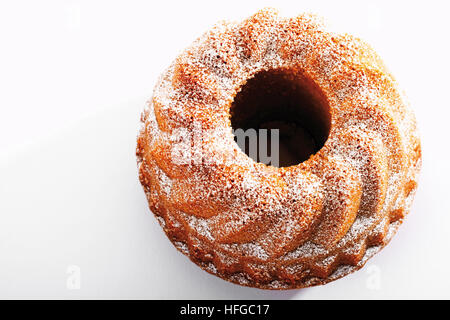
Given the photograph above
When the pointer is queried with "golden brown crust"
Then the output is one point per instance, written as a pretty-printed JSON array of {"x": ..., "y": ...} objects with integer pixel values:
[{"x": 267, "y": 227}]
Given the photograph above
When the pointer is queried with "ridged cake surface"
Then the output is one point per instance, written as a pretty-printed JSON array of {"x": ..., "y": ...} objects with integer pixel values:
[{"x": 259, "y": 225}]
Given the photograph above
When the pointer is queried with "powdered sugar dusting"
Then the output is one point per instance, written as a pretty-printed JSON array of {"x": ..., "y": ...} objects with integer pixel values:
[{"x": 237, "y": 214}]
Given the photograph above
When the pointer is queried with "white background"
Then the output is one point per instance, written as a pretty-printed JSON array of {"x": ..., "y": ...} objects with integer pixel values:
[{"x": 74, "y": 76}]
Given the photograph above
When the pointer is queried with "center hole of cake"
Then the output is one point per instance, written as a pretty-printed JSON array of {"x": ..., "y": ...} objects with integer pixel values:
[{"x": 280, "y": 117}]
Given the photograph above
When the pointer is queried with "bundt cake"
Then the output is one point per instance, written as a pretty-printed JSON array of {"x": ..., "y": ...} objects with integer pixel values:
[{"x": 306, "y": 221}]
